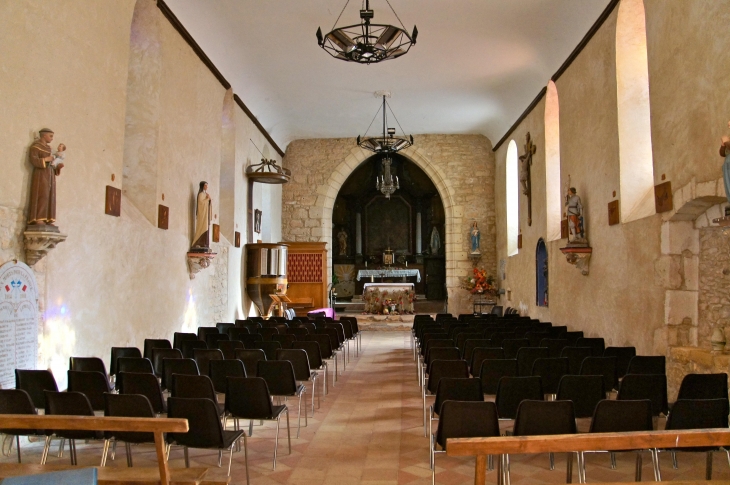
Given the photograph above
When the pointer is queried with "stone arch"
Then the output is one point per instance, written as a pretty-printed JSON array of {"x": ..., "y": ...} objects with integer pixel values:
[{"x": 454, "y": 214}]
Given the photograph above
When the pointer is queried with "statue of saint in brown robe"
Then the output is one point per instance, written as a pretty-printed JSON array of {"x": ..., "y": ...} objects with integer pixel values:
[{"x": 43, "y": 182}]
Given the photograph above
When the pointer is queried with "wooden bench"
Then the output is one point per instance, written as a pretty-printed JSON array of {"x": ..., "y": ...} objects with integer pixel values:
[
  {"x": 638, "y": 440},
  {"x": 109, "y": 476}
]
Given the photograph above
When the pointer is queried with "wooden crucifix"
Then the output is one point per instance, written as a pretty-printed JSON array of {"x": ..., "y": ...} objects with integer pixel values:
[{"x": 525, "y": 175}]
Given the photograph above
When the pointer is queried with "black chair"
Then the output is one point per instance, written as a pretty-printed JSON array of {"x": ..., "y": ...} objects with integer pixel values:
[
  {"x": 560, "y": 331},
  {"x": 17, "y": 401},
  {"x": 585, "y": 392},
  {"x": 453, "y": 389},
  {"x": 87, "y": 364},
  {"x": 437, "y": 353},
  {"x": 540, "y": 418},
  {"x": 35, "y": 383},
  {"x": 146, "y": 385},
  {"x": 554, "y": 345},
  {"x": 159, "y": 354},
  {"x": 314, "y": 355},
  {"x": 203, "y": 333},
  {"x": 189, "y": 346},
  {"x": 267, "y": 332},
  {"x": 623, "y": 357},
  {"x": 601, "y": 366},
  {"x": 551, "y": 370},
  {"x": 154, "y": 343},
  {"x": 527, "y": 356},
  {"x": 248, "y": 398},
  {"x": 512, "y": 345},
  {"x": 493, "y": 370},
  {"x": 646, "y": 386},
  {"x": 572, "y": 337},
  {"x": 229, "y": 347},
  {"x": 179, "y": 337},
  {"x": 249, "y": 341},
  {"x": 474, "y": 343},
  {"x": 285, "y": 340},
  {"x": 302, "y": 370},
  {"x": 480, "y": 354},
  {"x": 237, "y": 333},
  {"x": 221, "y": 370},
  {"x": 187, "y": 386},
  {"x": 135, "y": 364},
  {"x": 269, "y": 347},
  {"x": 279, "y": 377},
  {"x": 647, "y": 364},
  {"x": 698, "y": 414},
  {"x": 536, "y": 337},
  {"x": 224, "y": 328},
  {"x": 92, "y": 384},
  {"x": 250, "y": 359},
  {"x": 576, "y": 356},
  {"x": 511, "y": 391},
  {"x": 128, "y": 406},
  {"x": 325, "y": 347},
  {"x": 205, "y": 429},
  {"x": 596, "y": 344},
  {"x": 177, "y": 366},
  {"x": 613, "y": 416},
  {"x": 203, "y": 358},
  {"x": 212, "y": 339},
  {"x": 69, "y": 404},
  {"x": 703, "y": 386},
  {"x": 463, "y": 419},
  {"x": 298, "y": 332},
  {"x": 440, "y": 369},
  {"x": 118, "y": 352}
]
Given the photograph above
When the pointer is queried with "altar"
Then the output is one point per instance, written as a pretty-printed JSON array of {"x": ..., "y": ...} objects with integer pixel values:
[
  {"x": 402, "y": 294},
  {"x": 389, "y": 273}
]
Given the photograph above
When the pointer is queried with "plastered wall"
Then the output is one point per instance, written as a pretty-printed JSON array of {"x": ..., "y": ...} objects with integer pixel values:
[
  {"x": 116, "y": 281},
  {"x": 622, "y": 299}
]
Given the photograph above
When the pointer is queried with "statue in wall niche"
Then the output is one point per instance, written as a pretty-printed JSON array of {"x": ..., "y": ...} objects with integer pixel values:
[
  {"x": 574, "y": 214},
  {"x": 201, "y": 239},
  {"x": 47, "y": 166},
  {"x": 474, "y": 237},
  {"x": 342, "y": 240},
  {"x": 725, "y": 152},
  {"x": 435, "y": 241}
]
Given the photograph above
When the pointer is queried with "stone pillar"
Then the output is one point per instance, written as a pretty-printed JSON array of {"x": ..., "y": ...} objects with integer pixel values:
[
  {"x": 418, "y": 233},
  {"x": 358, "y": 233}
]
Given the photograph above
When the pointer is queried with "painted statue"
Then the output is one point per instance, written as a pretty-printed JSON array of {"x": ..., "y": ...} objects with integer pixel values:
[
  {"x": 46, "y": 167},
  {"x": 202, "y": 218},
  {"x": 725, "y": 152},
  {"x": 475, "y": 237},
  {"x": 342, "y": 240},
  {"x": 574, "y": 213},
  {"x": 435, "y": 241}
]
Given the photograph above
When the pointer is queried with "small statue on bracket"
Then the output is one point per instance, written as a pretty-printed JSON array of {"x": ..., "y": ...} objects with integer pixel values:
[
  {"x": 201, "y": 239},
  {"x": 342, "y": 241},
  {"x": 474, "y": 237},
  {"x": 725, "y": 152},
  {"x": 46, "y": 167},
  {"x": 574, "y": 214}
]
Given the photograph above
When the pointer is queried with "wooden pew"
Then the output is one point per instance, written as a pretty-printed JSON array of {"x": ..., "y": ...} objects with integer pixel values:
[
  {"x": 641, "y": 440},
  {"x": 156, "y": 426}
]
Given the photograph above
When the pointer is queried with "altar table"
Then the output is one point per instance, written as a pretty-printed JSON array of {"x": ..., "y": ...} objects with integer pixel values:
[
  {"x": 389, "y": 273},
  {"x": 403, "y": 294}
]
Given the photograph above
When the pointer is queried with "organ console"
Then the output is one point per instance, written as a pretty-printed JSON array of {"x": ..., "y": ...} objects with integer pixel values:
[{"x": 266, "y": 273}]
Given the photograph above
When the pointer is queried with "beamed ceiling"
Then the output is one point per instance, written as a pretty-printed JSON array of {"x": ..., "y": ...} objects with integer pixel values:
[{"x": 475, "y": 68}]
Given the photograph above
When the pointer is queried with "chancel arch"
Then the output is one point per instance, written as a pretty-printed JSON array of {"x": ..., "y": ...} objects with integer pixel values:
[{"x": 411, "y": 223}]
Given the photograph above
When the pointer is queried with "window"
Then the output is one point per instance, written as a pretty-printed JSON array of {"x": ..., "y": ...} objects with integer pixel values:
[
  {"x": 552, "y": 163},
  {"x": 634, "y": 115},
  {"x": 512, "y": 195}
]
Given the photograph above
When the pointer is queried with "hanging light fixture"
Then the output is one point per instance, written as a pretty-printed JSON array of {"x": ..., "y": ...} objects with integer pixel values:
[
  {"x": 387, "y": 144},
  {"x": 367, "y": 43}
]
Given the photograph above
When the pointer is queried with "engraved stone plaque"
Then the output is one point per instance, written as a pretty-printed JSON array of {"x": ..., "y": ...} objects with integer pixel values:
[{"x": 18, "y": 321}]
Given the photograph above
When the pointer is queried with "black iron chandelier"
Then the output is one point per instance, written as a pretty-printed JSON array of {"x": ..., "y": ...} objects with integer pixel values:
[
  {"x": 367, "y": 43},
  {"x": 387, "y": 144}
]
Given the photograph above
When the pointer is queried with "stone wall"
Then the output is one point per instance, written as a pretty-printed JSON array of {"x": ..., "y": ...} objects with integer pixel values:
[
  {"x": 714, "y": 282},
  {"x": 461, "y": 167}
]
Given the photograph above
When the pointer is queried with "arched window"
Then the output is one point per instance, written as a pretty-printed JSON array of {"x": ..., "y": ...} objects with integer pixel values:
[
  {"x": 552, "y": 163},
  {"x": 634, "y": 115},
  {"x": 512, "y": 194},
  {"x": 541, "y": 274}
]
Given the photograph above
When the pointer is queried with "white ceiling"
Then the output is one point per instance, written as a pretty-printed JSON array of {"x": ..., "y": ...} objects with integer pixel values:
[{"x": 476, "y": 67}]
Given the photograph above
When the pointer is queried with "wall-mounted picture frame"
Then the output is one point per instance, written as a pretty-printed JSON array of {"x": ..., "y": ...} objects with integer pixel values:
[
  {"x": 216, "y": 232},
  {"x": 237, "y": 239},
  {"x": 257, "y": 221},
  {"x": 163, "y": 217},
  {"x": 113, "y": 203}
]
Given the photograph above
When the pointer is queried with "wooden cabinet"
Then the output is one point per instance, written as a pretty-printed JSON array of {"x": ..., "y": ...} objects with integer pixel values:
[{"x": 307, "y": 276}]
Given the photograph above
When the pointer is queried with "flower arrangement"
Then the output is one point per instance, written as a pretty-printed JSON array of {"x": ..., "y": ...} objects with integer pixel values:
[{"x": 479, "y": 282}]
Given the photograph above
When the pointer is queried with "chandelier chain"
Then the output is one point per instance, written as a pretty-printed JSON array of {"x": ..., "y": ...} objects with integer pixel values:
[
  {"x": 341, "y": 12},
  {"x": 396, "y": 15}
]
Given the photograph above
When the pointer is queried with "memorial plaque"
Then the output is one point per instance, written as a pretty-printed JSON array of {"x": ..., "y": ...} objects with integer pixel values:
[
  {"x": 613, "y": 214},
  {"x": 18, "y": 321}
]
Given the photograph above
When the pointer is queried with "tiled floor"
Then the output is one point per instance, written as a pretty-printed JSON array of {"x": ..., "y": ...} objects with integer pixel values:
[{"x": 369, "y": 430}]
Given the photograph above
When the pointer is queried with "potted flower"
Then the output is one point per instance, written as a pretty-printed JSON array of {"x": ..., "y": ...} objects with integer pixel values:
[{"x": 479, "y": 282}]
